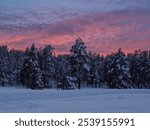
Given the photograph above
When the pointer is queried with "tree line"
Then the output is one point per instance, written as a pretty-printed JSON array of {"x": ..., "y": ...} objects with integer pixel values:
[{"x": 38, "y": 68}]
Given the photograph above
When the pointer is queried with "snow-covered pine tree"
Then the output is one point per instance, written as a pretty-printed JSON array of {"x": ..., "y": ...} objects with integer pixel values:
[
  {"x": 135, "y": 69},
  {"x": 101, "y": 68},
  {"x": 30, "y": 74},
  {"x": 62, "y": 73},
  {"x": 144, "y": 69},
  {"x": 140, "y": 68},
  {"x": 96, "y": 73},
  {"x": 16, "y": 58},
  {"x": 79, "y": 61},
  {"x": 47, "y": 65},
  {"x": 149, "y": 69},
  {"x": 4, "y": 64},
  {"x": 118, "y": 72}
]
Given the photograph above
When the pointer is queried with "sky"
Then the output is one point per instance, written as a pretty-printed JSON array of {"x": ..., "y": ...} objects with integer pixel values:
[{"x": 104, "y": 25}]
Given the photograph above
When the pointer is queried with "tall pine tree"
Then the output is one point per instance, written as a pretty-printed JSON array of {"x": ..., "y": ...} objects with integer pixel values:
[
  {"x": 118, "y": 72},
  {"x": 79, "y": 61},
  {"x": 4, "y": 64},
  {"x": 30, "y": 74},
  {"x": 47, "y": 65}
]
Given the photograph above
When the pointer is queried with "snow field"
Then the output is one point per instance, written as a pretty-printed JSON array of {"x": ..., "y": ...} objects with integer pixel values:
[{"x": 84, "y": 100}]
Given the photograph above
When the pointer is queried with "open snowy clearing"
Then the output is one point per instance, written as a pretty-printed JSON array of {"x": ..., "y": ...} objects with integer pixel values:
[{"x": 84, "y": 100}]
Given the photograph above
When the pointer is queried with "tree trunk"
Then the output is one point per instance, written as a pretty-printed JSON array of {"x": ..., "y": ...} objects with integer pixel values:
[{"x": 79, "y": 83}]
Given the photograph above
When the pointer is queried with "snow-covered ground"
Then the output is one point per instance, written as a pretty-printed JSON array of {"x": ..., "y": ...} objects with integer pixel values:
[{"x": 84, "y": 100}]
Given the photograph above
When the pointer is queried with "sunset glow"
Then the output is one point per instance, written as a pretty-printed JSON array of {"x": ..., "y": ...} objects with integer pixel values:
[{"x": 103, "y": 25}]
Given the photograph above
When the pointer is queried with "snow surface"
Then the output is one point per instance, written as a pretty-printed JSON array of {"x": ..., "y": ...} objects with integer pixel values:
[{"x": 84, "y": 100}]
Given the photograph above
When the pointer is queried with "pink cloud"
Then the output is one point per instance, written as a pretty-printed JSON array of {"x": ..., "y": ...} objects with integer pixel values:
[{"x": 102, "y": 32}]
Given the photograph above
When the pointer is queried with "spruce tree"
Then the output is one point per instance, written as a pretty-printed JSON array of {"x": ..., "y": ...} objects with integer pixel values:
[
  {"x": 16, "y": 58},
  {"x": 30, "y": 74},
  {"x": 140, "y": 68},
  {"x": 144, "y": 69},
  {"x": 96, "y": 73},
  {"x": 4, "y": 64},
  {"x": 79, "y": 61},
  {"x": 135, "y": 69},
  {"x": 118, "y": 71},
  {"x": 47, "y": 65}
]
